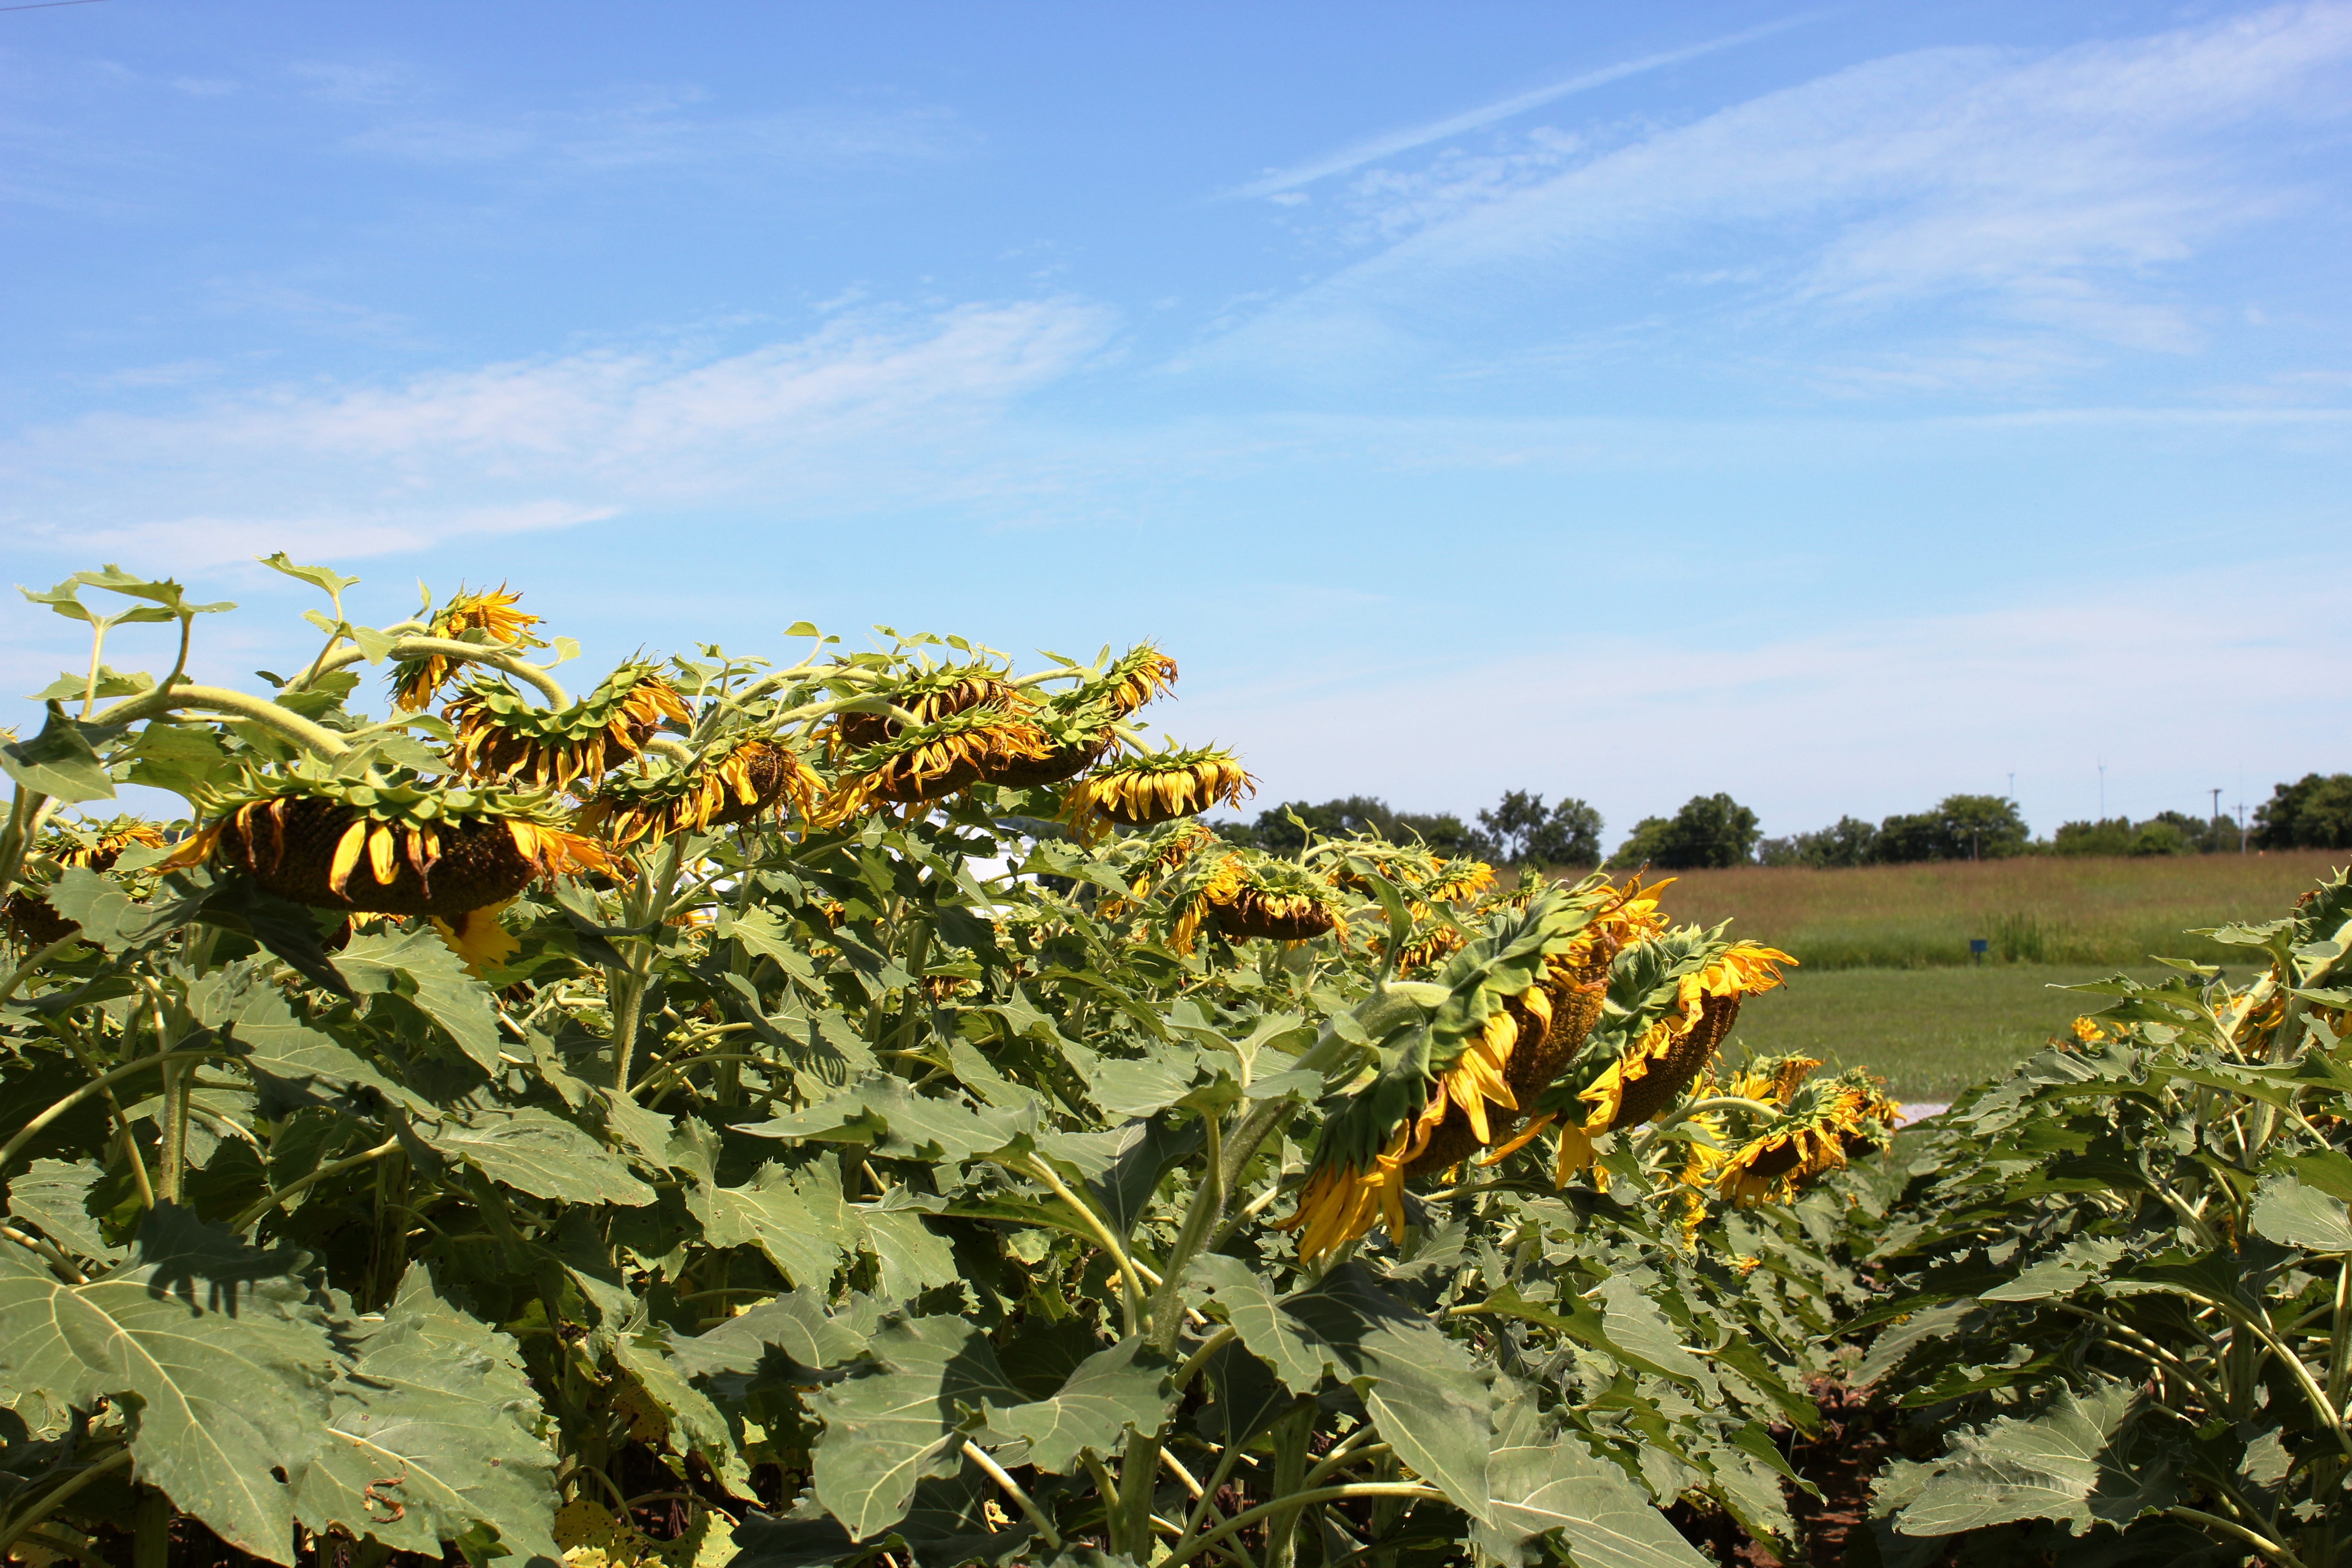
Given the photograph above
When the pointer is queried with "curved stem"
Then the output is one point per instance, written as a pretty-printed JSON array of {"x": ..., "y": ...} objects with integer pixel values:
[
  {"x": 1130, "y": 1299},
  {"x": 979, "y": 1455},
  {"x": 501, "y": 658},
  {"x": 2278, "y": 1552},
  {"x": 48, "y": 1252},
  {"x": 23, "y": 971},
  {"x": 98, "y": 1085},
  {"x": 334, "y": 1168},
  {"x": 1247, "y": 1517},
  {"x": 56, "y": 1497},
  {"x": 1183, "y": 1376},
  {"x": 310, "y": 736}
]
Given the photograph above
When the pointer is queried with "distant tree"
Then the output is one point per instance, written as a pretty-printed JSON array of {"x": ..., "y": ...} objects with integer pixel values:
[
  {"x": 1275, "y": 832},
  {"x": 1519, "y": 831},
  {"x": 2313, "y": 813},
  {"x": 1709, "y": 830},
  {"x": 1641, "y": 845},
  {"x": 1849, "y": 841},
  {"x": 2112, "y": 835},
  {"x": 1962, "y": 827}
]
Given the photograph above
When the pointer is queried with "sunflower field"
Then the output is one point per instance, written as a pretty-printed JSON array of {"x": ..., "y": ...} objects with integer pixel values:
[{"x": 851, "y": 1109}]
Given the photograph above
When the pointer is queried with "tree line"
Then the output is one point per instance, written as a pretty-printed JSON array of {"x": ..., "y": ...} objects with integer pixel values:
[{"x": 1714, "y": 830}]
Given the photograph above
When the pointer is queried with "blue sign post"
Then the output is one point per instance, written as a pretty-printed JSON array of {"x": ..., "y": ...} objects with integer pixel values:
[{"x": 1977, "y": 947}]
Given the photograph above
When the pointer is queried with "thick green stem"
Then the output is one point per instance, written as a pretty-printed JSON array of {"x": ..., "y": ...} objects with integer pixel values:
[
  {"x": 1166, "y": 1313},
  {"x": 1404, "y": 1491},
  {"x": 150, "y": 1529},
  {"x": 324, "y": 1172},
  {"x": 506, "y": 660},
  {"x": 42, "y": 1507},
  {"x": 1384, "y": 1010},
  {"x": 1290, "y": 1437},
  {"x": 99, "y": 1085}
]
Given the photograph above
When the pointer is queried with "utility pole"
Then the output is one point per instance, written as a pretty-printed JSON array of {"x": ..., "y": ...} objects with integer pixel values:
[
  {"x": 2216, "y": 793},
  {"x": 2241, "y": 827}
]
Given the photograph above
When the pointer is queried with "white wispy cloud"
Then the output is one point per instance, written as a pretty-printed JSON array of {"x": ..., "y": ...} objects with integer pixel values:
[
  {"x": 856, "y": 408},
  {"x": 1390, "y": 143},
  {"x": 2051, "y": 188}
]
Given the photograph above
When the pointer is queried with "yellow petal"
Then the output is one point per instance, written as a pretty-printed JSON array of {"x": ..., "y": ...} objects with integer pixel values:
[{"x": 347, "y": 856}]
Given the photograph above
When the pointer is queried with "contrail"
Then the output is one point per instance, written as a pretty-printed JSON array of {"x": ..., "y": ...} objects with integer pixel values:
[{"x": 1400, "y": 141}]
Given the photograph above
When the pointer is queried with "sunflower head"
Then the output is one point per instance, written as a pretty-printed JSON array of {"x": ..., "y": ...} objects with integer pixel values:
[
  {"x": 1272, "y": 900},
  {"x": 740, "y": 780},
  {"x": 30, "y": 918},
  {"x": 930, "y": 695},
  {"x": 503, "y": 736},
  {"x": 1139, "y": 675},
  {"x": 491, "y": 614},
  {"x": 402, "y": 847},
  {"x": 1155, "y": 787},
  {"x": 915, "y": 767}
]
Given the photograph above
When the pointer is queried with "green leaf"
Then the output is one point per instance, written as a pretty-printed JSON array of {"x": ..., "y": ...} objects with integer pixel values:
[
  {"x": 697, "y": 1429},
  {"x": 435, "y": 1429},
  {"x": 162, "y": 591},
  {"x": 2063, "y": 1464},
  {"x": 900, "y": 1417},
  {"x": 2294, "y": 1214},
  {"x": 1541, "y": 1483},
  {"x": 58, "y": 761},
  {"x": 1111, "y": 1391},
  {"x": 540, "y": 1154},
  {"x": 175, "y": 757},
  {"x": 2330, "y": 1171},
  {"x": 883, "y": 1112},
  {"x": 1631, "y": 1320},
  {"x": 223, "y": 1347},
  {"x": 1422, "y": 1389},
  {"x": 71, "y": 687},
  {"x": 54, "y": 1196},
  {"x": 1251, "y": 1306},
  {"x": 435, "y": 981},
  {"x": 793, "y": 1327},
  {"x": 325, "y": 579}
]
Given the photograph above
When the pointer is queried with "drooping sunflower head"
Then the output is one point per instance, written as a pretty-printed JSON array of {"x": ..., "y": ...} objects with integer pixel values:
[
  {"x": 402, "y": 847},
  {"x": 491, "y": 613},
  {"x": 1078, "y": 736},
  {"x": 1272, "y": 900},
  {"x": 503, "y": 736},
  {"x": 736, "y": 781},
  {"x": 918, "y": 766},
  {"x": 1141, "y": 675},
  {"x": 929, "y": 695},
  {"x": 95, "y": 846},
  {"x": 1155, "y": 787},
  {"x": 1771, "y": 1080},
  {"x": 1679, "y": 994},
  {"x": 1775, "y": 1164}
]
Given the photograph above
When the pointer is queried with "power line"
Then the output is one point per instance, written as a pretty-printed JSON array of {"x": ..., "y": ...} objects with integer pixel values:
[{"x": 47, "y": 5}]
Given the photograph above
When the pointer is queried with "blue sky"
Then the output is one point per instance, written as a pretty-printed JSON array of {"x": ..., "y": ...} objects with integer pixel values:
[{"x": 1840, "y": 406}]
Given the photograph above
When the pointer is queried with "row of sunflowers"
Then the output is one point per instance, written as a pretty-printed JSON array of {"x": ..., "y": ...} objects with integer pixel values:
[{"x": 792, "y": 1189}]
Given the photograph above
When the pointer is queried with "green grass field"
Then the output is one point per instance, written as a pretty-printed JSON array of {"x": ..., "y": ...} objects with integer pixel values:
[
  {"x": 1928, "y": 1032},
  {"x": 2035, "y": 910},
  {"x": 1884, "y": 978}
]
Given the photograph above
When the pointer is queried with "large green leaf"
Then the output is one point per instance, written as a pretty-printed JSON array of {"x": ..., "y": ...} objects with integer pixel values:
[
  {"x": 435, "y": 1430},
  {"x": 437, "y": 982},
  {"x": 1425, "y": 1393},
  {"x": 1110, "y": 1391},
  {"x": 536, "y": 1153},
  {"x": 793, "y": 1327},
  {"x": 2294, "y": 1214},
  {"x": 1254, "y": 1312},
  {"x": 223, "y": 1347},
  {"x": 900, "y": 1418},
  {"x": 58, "y": 761},
  {"x": 53, "y": 1196},
  {"x": 885, "y": 1112},
  {"x": 2064, "y": 1464},
  {"x": 697, "y": 1429},
  {"x": 305, "y": 1063},
  {"x": 1540, "y": 1482}
]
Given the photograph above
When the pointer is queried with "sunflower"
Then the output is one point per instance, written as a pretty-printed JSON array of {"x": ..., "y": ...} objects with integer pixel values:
[
  {"x": 930, "y": 695},
  {"x": 1775, "y": 1164},
  {"x": 1653, "y": 1072},
  {"x": 929, "y": 763},
  {"x": 1273, "y": 902},
  {"x": 1139, "y": 675},
  {"x": 491, "y": 612},
  {"x": 1424, "y": 1113},
  {"x": 475, "y": 936},
  {"x": 739, "y": 783},
  {"x": 502, "y": 735},
  {"x": 1155, "y": 787},
  {"x": 389, "y": 848},
  {"x": 29, "y": 917},
  {"x": 1076, "y": 737}
]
